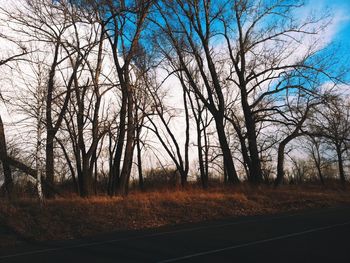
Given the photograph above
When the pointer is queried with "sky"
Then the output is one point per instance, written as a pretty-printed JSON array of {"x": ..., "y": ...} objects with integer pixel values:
[
  {"x": 338, "y": 33},
  {"x": 341, "y": 10}
]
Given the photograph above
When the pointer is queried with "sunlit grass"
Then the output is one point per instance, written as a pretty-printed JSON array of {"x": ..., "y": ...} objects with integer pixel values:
[{"x": 74, "y": 217}]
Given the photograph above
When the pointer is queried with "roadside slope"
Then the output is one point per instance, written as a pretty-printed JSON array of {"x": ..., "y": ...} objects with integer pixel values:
[{"x": 71, "y": 218}]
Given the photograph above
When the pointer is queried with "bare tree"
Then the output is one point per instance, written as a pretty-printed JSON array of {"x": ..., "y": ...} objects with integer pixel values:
[
  {"x": 294, "y": 117},
  {"x": 160, "y": 121},
  {"x": 333, "y": 124},
  {"x": 261, "y": 39},
  {"x": 116, "y": 18},
  {"x": 180, "y": 22},
  {"x": 203, "y": 120},
  {"x": 49, "y": 23},
  {"x": 314, "y": 147},
  {"x": 29, "y": 102},
  {"x": 17, "y": 54},
  {"x": 86, "y": 103}
]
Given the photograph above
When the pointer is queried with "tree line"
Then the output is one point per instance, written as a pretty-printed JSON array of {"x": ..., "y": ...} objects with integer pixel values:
[{"x": 98, "y": 85}]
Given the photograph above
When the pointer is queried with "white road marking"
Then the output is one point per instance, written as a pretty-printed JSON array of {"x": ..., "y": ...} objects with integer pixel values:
[
  {"x": 97, "y": 243},
  {"x": 208, "y": 252}
]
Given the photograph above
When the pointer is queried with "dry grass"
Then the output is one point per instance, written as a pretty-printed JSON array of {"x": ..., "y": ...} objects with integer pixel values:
[{"x": 68, "y": 218}]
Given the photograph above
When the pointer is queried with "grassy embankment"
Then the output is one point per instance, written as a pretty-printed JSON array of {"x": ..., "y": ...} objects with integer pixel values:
[{"x": 73, "y": 217}]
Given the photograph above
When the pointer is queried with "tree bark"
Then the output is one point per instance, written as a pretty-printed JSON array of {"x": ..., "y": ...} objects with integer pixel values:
[
  {"x": 280, "y": 163},
  {"x": 255, "y": 173},
  {"x": 228, "y": 160},
  {"x": 49, "y": 168},
  {"x": 280, "y": 156},
  {"x": 203, "y": 174},
  {"x": 50, "y": 134},
  {"x": 340, "y": 165},
  {"x": 315, "y": 152},
  {"x": 139, "y": 124},
  {"x": 38, "y": 161},
  {"x": 139, "y": 159},
  {"x": 87, "y": 182},
  {"x": 8, "y": 182},
  {"x": 115, "y": 172},
  {"x": 122, "y": 188}
]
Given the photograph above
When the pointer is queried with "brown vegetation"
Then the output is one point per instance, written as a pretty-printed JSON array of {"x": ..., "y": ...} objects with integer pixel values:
[{"x": 73, "y": 217}]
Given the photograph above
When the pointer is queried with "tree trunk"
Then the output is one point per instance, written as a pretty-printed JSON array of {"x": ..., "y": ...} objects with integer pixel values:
[
  {"x": 255, "y": 173},
  {"x": 129, "y": 147},
  {"x": 228, "y": 160},
  {"x": 139, "y": 158},
  {"x": 280, "y": 163},
  {"x": 95, "y": 169},
  {"x": 69, "y": 162},
  {"x": 184, "y": 176},
  {"x": 280, "y": 154},
  {"x": 38, "y": 161},
  {"x": 203, "y": 175},
  {"x": 319, "y": 172},
  {"x": 317, "y": 159},
  {"x": 87, "y": 182},
  {"x": 206, "y": 153},
  {"x": 50, "y": 133},
  {"x": 115, "y": 172},
  {"x": 340, "y": 165},
  {"x": 6, "y": 167},
  {"x": 49, "y": 168},
  {"x": 245, "y": 153}
]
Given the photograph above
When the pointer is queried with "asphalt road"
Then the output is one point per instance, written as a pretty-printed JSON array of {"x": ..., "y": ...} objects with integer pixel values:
[{"x": 314, "y": 236}]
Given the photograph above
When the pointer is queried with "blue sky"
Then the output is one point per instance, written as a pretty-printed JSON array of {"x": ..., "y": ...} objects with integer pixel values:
[
  {"x": 341, "y": 36},
  {"x": 341, "y": 9}
]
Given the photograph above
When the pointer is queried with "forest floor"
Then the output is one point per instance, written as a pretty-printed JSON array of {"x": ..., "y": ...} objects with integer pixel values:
[{"x": 25, "y": 220}]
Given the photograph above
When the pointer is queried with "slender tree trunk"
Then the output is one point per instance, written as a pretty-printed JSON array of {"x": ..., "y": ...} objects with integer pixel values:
[
  {"x": 139, "y": 158},
  {"x": 340, "y": 165},
  {"x": 247, "y": 162},
  {"x": 80, "y": 181},
  {"x": 50, "y": 133},
  {"x": 115, "y": 173},
  {"x": 129, "y": 147},
  {"x": 280, "y": 163},
  {"x": 320, "y": 175},
  {"x": 110, "y": 163},
  {"x": 203, "y": 175},
  {"x": 197, "y": 113},
  {"x": 245, "y": 153},
  {"x": 49, "y": 168},
  {"x": 183, "y": 178},
  {"x": 6, "y": 167},
  {"x": 139, "y": 166},
  {"x": 87, "y": 182},
  {"x": 317, "y": 159},
  {"x": 184, "y": 175},
  {"x": 280, "y": 153},
  {"x": 52, "y": 128},
  {"x": 255, "y": 173},
  {"x": 38, "y": 161},
  {"x": 70, "y": 165},
  {"x": 228, "y": 160},
  {"x": 94, "y": 164},
  {"x": 206, "y": 152}
]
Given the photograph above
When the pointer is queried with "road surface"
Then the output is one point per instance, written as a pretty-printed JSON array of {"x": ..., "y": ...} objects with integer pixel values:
[{"x": 314, "y": 236}]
